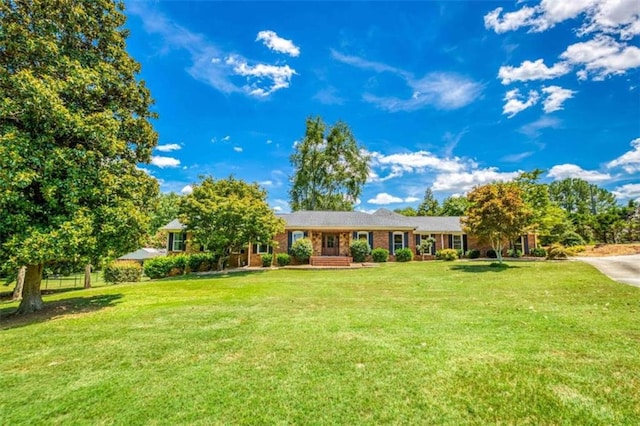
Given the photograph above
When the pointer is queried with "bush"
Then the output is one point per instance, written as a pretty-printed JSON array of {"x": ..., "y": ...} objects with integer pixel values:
[
  {"x": 158, "y": 267},
  {"x": 491, "y": 254},
  {"x": 200, "y": 262},
  {"x": 123, "y": 272},
  {"x": 180, "y": 263},
  {"x": 283, "y": 259},
  {"x": 557, "y": 251},
  {"x": 570, "y": 239},
  {"x": 572, "y": 251},
  {"x": 302, "y": 249},
  {"x": 380, "y": 255},
  {"x": 538, "y": 252},
  {"x": 514, "y": 253},
  {"x": 473, "y": 253},
  {"x": 359, "y": 250},
  {"x": 447, "y": 254},
  {"x": 267, "y": 259},
  {"x": 404, "y": 255}
]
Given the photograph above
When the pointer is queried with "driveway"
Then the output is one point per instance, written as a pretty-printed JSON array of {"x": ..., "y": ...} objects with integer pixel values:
[{"x": 624, "y": 269}]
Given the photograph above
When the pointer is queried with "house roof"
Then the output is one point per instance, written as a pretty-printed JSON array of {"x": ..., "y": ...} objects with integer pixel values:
[
  {"x": 437, "y": 224},
  {"x": 143, "y": 254},
  {"x": 174, "y": 225},
  {"x": 342, "y": 220}
]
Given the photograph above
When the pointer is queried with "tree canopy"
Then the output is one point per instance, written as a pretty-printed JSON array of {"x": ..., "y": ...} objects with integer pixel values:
[
  {"x": 330, "y": 168},
  {"x": 74, "y": 124},
  {"x": 223, "y": 216},
  {"x": 429, "y": 205},
  {"x": 497, "y": 213}
]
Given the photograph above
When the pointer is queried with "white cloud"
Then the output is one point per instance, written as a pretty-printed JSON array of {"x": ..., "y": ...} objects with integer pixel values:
[
  {"x": 266, "y": 183},
  {"x": 465, "y": 181},
  {"x": 169, "y": 147},
  {"x": 563, "y": 171},
  {"x": 277, "y": 209},
  {"x": 329, "y": 96},
  {"x": 628, "y": 191},
  {"x": 514, "y": 103},
  {"x": 237, "y": 148},
  {"x": 383, "y": 198},
  {"x": 509, "y": 21},
  {"x": 442, "y": 90},
  {"x": 397, "y": 165},
  {"x": 278, "y": 44},
  {"x": 278, "y": 75},
  {"x": 187, "y": 189},
  {"x": 163, "y": 162},
  {"x": 533, "y": 129},
  {"x": 516, "y": 158},
  {"x": 629, "y": 161},
  {"x": 601, "y": 57},
  {"x": 226, "y": 138},
  {"x": 556, "y": 96},
  {"x": 529, "y": 71}
]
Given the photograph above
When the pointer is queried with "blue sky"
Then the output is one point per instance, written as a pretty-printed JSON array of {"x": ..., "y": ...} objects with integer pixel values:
[{"x": 445, "y": 95}]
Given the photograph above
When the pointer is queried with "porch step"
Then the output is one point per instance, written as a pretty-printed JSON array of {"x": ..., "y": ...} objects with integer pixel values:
[{"x": 330, "y": 261}]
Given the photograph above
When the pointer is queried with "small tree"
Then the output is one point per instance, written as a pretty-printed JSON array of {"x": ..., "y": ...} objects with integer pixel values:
[
  {"x": 302, "y": 249},
  {"x": 224, "y": 215},
  {"x": 359, "y": 250},
  {"x": 425, "y": 246},
  {"x": 497, "y": 214}
]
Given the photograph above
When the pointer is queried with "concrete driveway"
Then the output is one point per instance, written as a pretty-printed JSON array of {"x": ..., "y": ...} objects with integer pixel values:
[{"x": 624, "y": 269}]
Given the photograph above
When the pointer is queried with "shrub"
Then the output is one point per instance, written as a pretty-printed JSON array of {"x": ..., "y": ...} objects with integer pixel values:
[
  {"x": 557, "y": 251},
  {"x": 404, "y": 255},
  {"x": 491, "y": 254},
  {"x": 572, "y": 251},
  {"x": 380, "y": 255},
  {"x": 283, "y": 259},
  {"x": 447, "y": 254},
  {"x": 359, "y": 250},
  {"x": 200, "y": 262},
  {"x": 267, "y": 259},
  {"x": 180, "y": 263},
  {"x": 158, "y": 267},
  {"x": 302, "y": 249},
  {"x": 123, "y": 272},
  {"x": 538, "y": 252},
  {"x": 514, "y": 253},
  {"x": 570, "y": 239},
  {"x": 473, "y": 253}
]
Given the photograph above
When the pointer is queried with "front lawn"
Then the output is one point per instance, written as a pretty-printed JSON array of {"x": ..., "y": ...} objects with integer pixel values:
[{"x": 432, "y": 342}]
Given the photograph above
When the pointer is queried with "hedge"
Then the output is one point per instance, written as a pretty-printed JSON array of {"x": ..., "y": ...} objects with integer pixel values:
[{"x": 123, "y": 272}]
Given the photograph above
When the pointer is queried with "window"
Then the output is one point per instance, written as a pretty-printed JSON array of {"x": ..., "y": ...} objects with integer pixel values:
[
  {"x": 398, "y": 241},
  {"x": 519, "y": 244},
  {"x": 456, "y": 242},
  {"x": 262, "y": 248},
  {"x": 432, "y": 250},
  {"x": 363, "y": 235},
  {"x": 296, "y": 235},
  {"x": 178, "y": 241}
]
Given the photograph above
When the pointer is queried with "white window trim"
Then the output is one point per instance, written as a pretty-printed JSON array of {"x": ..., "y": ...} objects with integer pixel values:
[
  {"x": 262, "y": 248},
  {"x": 394, "y": 241},
  {"x": 179, "y": 240},
  {"x": 365, "y": 233},
  {"x": 453, "y": 241},
  {"x": 296, "y": 235},
  {"x": 424, "y": 237}
]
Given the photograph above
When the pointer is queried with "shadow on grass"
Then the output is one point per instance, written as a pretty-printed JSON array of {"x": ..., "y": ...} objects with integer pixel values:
[
  {"x": 215, "y": 275},
  {"x": 58, "y": 308},
  {"x": 487, "y": 267}
]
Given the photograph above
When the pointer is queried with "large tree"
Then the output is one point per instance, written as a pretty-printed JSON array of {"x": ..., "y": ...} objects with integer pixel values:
[
  {"x": 497, "y": 214},
  {"x": 454, "y": 206},
  {"x": 330, "y": 168},
  {"x": 74, "y": 124},
  {"x": 429, "y": 205},
  {"x": 224, "y": 216}
]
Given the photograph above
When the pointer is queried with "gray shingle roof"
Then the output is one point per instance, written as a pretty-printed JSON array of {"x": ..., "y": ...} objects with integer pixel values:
[
  {"x": 350, "y": 220},
  {"x": 174, "y": 225},
  {"x": 143, "y": 254},
  {"x": 437, "y": 224}
]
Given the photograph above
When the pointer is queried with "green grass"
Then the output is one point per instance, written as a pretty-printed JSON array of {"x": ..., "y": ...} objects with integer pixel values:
[{"x": 418, "y": 343}]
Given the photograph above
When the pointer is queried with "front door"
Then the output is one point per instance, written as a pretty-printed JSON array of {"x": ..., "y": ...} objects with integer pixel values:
[{"x": 330, "y": 245}]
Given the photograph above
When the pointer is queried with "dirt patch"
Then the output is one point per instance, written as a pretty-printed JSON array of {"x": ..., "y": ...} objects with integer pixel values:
[{"x": 600, "y": 250}]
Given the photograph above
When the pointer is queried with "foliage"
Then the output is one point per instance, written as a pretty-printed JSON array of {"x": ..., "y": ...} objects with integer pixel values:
[
  {"x": 164, "y": 208},
  {"x": 302, "y": 249},
  {"x": 425, "y": 246},
  {"x": 224, "y": 215},
  {"x": 200, "y": 262},
  {"x": 574, "y": 250},
  {"x": 74, "y": 127},
  {"x": 514, "y": 253},
  {"x": 429, "y": 205},
  {"x": 406, "y": 211},
  {"x": 571, "y": 238},
  {"x": 491, "y": 254},
  {"x": 473, "y": 254},
  {"x": 497, "y": 213},
  {"x": 447, "y": 254},
  {"x": 557, "y": 251},
  {"x": 123, "y": 272},
  {"x": 158, "y": 267},
  {"x": 380, "y": 255},
  {"x": 267, "y": 260},
  {"x": 165, "y": 266},
  {"x": 538, "y": 252},
  {"x": 330, "y": 168},
  {"x": 454, "y": 206},
  {"x": 359, "y": 250},
  {"x": 404, "y": 255},
  {"x": 283, "y": 259}
]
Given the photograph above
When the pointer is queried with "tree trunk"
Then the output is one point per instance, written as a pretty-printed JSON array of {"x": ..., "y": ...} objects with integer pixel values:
[
  {"x": 87, "y": 276},
  {"x": 31, "y": 297},
  {"x": 17, "y": 292}
]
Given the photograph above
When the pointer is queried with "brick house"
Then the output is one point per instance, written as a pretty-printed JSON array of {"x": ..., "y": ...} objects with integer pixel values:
[{"x": 331, "y": 234}]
